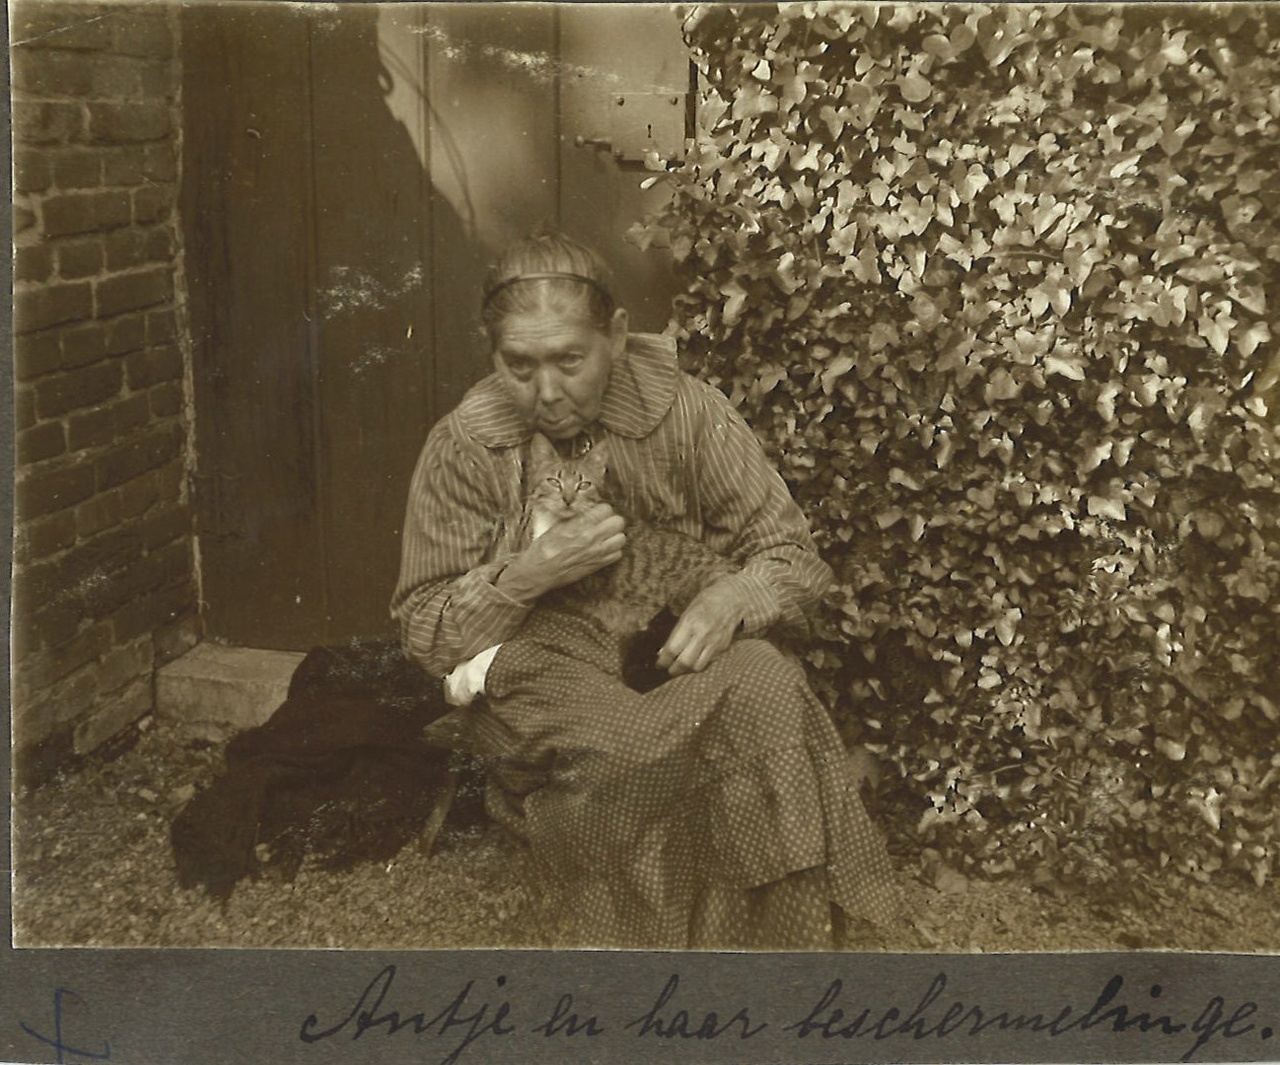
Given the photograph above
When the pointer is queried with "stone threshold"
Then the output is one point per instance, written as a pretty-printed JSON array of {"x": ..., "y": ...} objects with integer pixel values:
[{"x": 231, "y": 688}]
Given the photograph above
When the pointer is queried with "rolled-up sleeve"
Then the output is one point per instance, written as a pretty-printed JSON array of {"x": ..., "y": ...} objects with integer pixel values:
[
  {"x": 446, "y": 603},
  {"x": 748, "y": 515}
]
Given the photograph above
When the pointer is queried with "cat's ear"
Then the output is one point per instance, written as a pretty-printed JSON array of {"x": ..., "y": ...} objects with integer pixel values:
[
  {"x": 542, "y": 450},
  {"x": 599, "y": 456}
]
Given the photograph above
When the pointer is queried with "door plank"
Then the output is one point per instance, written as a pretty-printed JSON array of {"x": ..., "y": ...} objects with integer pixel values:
[
  {"x": 245, "y": 209},
  {"x": 373, "y": 312}
]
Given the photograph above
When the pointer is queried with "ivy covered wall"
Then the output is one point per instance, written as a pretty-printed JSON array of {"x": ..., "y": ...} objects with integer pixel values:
[{"x": 996, "y": 286}]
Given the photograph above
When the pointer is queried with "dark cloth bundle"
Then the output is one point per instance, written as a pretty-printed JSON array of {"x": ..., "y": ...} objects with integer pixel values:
[{"x": 340, "y": 771}]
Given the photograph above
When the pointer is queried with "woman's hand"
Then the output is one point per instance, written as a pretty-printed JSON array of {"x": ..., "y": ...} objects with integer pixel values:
[
  {"x": 704, "y": 630},
  {"x": 565, "y": 553}
]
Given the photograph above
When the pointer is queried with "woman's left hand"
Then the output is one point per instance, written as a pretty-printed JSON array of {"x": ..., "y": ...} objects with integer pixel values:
[{"x": 704, "y": 630}]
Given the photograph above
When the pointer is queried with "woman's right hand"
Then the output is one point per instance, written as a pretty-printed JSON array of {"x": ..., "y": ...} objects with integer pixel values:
[{"x": 565, "y": 553}]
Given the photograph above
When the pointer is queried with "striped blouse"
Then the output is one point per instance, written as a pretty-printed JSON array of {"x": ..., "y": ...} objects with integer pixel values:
[{"x": 684, "y": 458}]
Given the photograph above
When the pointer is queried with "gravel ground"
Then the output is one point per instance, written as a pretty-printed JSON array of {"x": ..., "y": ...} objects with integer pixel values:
[{"x": 92, "y": 867}]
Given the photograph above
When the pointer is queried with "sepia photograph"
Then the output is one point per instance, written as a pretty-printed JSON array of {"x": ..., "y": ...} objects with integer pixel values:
[{"x": 748, "y": 478}]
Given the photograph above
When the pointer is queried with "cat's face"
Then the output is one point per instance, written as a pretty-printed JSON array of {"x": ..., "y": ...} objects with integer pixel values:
[{"x": 559, "y": 488}]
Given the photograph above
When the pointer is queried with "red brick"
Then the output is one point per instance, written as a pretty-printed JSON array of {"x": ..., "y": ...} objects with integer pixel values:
[
  {"x": 108, "y": 423},
  {"x": 130, "y": 292},
  {"x": 98, "y": 514},
  {"x": 94, "y": 428},
  {"x": 115, "y": 77},
  {"x": 91, "y": 560},
  {"x": 140, "y": 495},
  {"x": 75, "y": 213},
  {"x": 74, "y": 168},
  {"x": 125, "y": 334},
  {"x": 33, "y": 263},
  {"x": 31, "y": 172},
  {"x": 158, "y": 244},
  {"x": 162, "y": 326},
  {"x": 24, "y": 218},
  {"x": 24, "y": 406},
  {"x": 177, "y": 636},
  {"x": 39, "y": 308},
  {"x": 129, "y": 123},
  {"x": 130, "y": 460},
  {"x": 36, "y": 354},
  {"x": 51, "y": 665},
  {"x": 126, "y": 166},
  {"x": 143, "y": 574},
  {"x": 143, "y": 35},
  {"x": 153, "y": 203},
  {"x": 162, "y": 162},
  {"x": 51, "y": 624},
  {"x": 125, "y": 249},
  {"x": 167, "y": 399},
  {"x": 84, "y": 345},
  {"x": 46, "y": 122},
  {"x": 159, "y": 80},
  {"x": 125, "y": 665},
  {"x": 80, "y": 258},
  {"x": 84, "y": 387},
  {"x": 166, "y": 524},
  {"x": 42, "y": 72},
  {"x": 43, "y": 492},
  {"x": 75, "y": 27},
  {"x": 154, "y": 366},
  {"x": 173, "y": 476},
  {"x": 50, "y": 535},
  {"x": 44, "y": 441},
  {"x": 132, "y": 412},
  {"x": 150, "y": 612}
]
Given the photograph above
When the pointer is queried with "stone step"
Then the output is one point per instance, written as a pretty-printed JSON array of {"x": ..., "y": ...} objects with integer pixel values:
[{"x": 229, "y": 687}]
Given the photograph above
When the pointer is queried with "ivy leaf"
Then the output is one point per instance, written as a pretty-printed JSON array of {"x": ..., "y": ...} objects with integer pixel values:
[
  {"x": 837, "y": 368},
  {"x": 1104, "y": 507},
  {"x": 1068, "y": 368},
  {"x": 915, "y": 88}
]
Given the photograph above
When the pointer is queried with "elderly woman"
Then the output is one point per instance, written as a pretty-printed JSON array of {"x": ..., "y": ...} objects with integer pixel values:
[{"x": 717, "y": 810}]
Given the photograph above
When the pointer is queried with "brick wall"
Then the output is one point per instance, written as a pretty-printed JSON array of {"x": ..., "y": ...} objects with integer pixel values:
[{"x": 104, "y": 586}]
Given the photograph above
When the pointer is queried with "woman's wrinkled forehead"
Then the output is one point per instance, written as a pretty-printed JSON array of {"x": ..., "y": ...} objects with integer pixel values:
[
  {"x": 549, "y": 331},
  {"x": 540, "y": 300}
]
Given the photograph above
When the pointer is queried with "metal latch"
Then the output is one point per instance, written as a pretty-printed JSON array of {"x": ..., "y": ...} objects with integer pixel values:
[{"x": 642, "y": 124}]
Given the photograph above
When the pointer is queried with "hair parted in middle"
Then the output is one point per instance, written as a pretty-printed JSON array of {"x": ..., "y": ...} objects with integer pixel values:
[{"x": 547, "y": 271}]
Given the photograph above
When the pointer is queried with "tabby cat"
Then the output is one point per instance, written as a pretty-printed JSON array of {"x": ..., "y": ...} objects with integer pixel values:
[
  {"x": 637, "y": 598},
  {"x": 659, "y": 567}
]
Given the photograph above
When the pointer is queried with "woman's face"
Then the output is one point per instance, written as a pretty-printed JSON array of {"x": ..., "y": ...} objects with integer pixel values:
[{"x": 556, "y": 367}]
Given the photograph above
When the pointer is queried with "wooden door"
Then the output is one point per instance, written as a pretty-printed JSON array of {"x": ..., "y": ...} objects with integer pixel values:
[{"x": 350, "y": 170}]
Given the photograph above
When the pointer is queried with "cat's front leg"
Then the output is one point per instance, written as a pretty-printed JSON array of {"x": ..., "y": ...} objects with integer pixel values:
[{"x": 466, "y": 680}]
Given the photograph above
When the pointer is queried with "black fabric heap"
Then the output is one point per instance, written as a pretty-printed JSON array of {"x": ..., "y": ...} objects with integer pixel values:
[{"x": 339, "y": 771}]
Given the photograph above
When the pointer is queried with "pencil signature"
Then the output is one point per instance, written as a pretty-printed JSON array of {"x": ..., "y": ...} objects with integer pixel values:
[{"x": 57, "y": 1041}]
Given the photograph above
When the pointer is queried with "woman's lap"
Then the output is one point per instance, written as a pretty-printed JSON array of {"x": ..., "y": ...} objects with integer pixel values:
[{"x": 720, "y": 781}]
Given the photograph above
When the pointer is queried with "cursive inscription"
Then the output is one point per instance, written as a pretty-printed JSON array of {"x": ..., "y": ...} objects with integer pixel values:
[
  {"x": 367, "y": 1015},
  {"x": 682, "y": 1024},
  {"x": 927, "y": 1019}
]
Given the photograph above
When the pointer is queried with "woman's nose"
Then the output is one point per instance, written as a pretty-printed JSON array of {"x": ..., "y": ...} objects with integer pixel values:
[{"x": 548, "y": 386}]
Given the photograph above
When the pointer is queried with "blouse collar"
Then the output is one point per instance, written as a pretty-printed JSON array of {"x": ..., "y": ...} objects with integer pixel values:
[{"x": 641, "y": 389}]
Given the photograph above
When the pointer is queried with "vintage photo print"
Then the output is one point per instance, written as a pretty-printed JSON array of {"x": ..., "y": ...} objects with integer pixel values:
[{"x": 634, "y": 532}]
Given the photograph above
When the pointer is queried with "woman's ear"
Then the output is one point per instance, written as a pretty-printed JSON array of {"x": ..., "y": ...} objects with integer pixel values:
[{"x": 618, "y": 328}]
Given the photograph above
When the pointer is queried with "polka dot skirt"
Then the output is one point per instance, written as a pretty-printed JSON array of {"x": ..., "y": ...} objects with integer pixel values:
[{"x": 714, "y": 812}]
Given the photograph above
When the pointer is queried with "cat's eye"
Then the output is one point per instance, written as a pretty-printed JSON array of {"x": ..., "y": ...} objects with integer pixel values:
[
  {"x": 584, "y": 484},
  {"x": 555, "y": 483}
]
